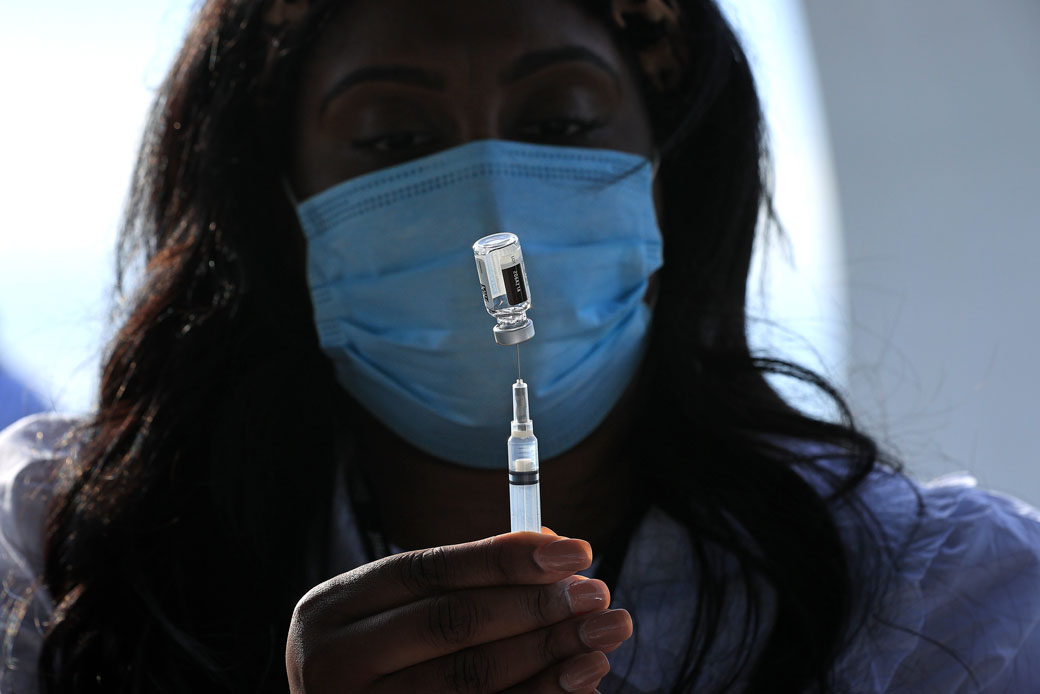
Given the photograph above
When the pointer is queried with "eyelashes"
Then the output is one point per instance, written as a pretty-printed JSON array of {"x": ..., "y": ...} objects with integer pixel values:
[
  {"x": 563, "y": 129},
  {"x": 400, "y": 141}
]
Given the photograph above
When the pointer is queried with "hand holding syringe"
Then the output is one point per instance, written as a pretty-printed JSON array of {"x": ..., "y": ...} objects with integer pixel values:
[
  {"x": 378, "y": 607},
  {"x": 503, "y": 280}
]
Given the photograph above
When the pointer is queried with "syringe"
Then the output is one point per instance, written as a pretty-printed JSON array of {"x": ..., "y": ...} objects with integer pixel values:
[
  {"x": 525, "y": 505},
  {"x": 503, "y": 282}
]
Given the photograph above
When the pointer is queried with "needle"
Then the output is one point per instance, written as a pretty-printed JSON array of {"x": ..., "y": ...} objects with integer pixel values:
[{"x": 518, "y": 361}]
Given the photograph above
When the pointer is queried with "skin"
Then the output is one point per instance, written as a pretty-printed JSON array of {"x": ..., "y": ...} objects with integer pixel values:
[{"x": 394, "y": 80}]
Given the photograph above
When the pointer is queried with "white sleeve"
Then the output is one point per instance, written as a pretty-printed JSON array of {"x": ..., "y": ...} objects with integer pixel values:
[{"x": 30, "y": 452}]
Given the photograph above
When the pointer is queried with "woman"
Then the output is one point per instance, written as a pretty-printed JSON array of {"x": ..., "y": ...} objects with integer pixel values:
[{"x": 295, "y": 403}]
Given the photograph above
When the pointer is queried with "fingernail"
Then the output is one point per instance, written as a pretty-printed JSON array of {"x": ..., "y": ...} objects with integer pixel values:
[
  {"x": 564, "y": 555},
  {"x": 606, "y": 629},
  {"x": 588, "y": 596},
  {"x": 584, "y": 671}
]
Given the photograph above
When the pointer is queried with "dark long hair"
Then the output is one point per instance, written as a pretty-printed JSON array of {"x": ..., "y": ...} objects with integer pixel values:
[{"x": 196, "y": 512}]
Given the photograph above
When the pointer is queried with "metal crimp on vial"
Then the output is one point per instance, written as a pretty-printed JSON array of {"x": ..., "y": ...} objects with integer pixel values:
[{"x": 503, "y": 281}]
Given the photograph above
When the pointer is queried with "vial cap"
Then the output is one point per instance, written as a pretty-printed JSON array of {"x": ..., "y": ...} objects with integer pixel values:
[{"x": 515, "y": 334}]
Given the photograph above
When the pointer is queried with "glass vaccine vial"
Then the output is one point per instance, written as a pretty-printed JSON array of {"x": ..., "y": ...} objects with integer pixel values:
[{"x": 503, "y": 281}]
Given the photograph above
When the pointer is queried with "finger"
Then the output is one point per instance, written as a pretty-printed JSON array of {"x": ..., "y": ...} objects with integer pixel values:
[
  {"x": 507, "y": 663},
  {"x": 579, "y": 674},
  {"x": 510, "y": 559},
  {"x": 446, "y": 623}
]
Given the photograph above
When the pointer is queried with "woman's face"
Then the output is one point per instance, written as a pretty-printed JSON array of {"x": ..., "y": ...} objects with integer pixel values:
[{"x": 393, "y": 80}]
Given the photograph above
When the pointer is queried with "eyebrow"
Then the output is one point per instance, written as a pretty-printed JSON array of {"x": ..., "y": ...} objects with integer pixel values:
[
  {"x": 534, "y": 61},
  {"x": 401, "y": 74},
  {"x": 524, "y": 66}
]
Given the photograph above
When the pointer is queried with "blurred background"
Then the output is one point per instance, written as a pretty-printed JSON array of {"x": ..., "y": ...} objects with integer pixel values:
[
  {"x": 933, "y": 108},
  {"x": 907, "y": 161}
]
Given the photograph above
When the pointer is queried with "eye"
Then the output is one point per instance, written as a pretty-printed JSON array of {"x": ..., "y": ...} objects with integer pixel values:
[
  {"x": 396, "y": 142},
  {"x": 559, "y": 128}
]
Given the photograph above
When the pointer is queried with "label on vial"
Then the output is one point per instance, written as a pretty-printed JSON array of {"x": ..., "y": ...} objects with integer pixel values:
[
  {"x": 514, "y": 281},
  {"x": 482, "y": 276}
]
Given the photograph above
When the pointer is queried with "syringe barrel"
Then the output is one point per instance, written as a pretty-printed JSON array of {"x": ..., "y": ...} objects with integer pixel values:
[{"x": 525, "y": 504}]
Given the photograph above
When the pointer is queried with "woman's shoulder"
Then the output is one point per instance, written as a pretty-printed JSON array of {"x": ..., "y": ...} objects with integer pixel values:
[
  {"x": 943, "y": 523},
  {"x": 960, "y": 605},
  {"x": 43, "y": 436},
  {"x": 949, "y": 531},
  {"x": 31, "y": 451}
]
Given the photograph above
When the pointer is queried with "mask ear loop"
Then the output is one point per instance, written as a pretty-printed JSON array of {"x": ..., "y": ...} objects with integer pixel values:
[{"x": 653, "y": 289}]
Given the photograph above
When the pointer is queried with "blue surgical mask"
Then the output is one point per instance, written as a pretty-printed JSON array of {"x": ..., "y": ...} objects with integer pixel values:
[{"x": 400, "y": 313}]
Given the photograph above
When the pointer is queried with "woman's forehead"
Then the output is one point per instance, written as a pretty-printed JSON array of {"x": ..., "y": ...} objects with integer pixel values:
[{"x": 453, "y": 31}]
